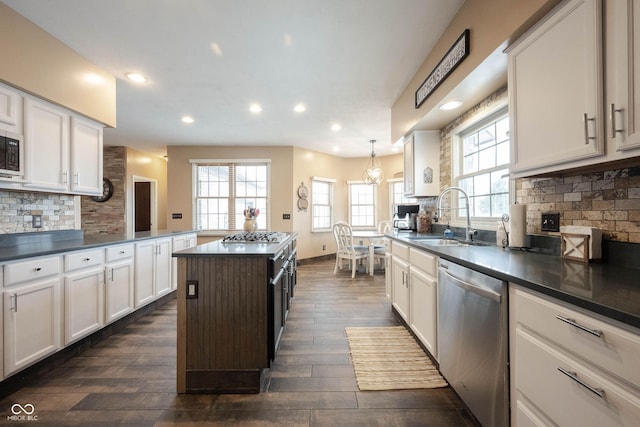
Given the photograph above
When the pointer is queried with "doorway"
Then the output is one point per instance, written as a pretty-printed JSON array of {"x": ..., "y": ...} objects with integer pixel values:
[{"x": 144, "y": 204}]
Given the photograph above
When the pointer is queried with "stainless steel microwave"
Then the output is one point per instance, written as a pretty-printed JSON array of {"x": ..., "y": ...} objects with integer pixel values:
[{"x": 10, "y": 154}]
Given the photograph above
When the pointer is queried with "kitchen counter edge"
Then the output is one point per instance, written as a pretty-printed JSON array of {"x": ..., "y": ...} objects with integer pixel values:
[
  {"x": 219, "y": 248},
  {"x": 17, "y": 252},
  {"x": 609, "y": 291}
]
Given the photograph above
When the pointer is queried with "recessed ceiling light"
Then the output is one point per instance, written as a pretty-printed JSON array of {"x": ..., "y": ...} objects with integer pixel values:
[
  {"x": 299, "y": 108},
  {"x": 138, "y": 78},
  {"x": 94, "y": 79},
  {"x": 255, "y": 108},
  {"x": 451, "y": 105},
  {"x": 187, "y": 119},
  {"x": 336, "y": 127},
  {"x": 215, "y": 47}
]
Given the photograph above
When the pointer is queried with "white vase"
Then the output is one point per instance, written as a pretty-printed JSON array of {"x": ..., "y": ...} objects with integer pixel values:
[{"x": 250, "y": 225}]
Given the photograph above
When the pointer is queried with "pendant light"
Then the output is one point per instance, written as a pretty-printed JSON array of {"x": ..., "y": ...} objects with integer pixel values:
[{"x": 373, "y": 175}]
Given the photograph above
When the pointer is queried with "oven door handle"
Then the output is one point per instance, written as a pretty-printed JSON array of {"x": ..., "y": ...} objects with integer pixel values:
[{"x": 486, "y": 293}]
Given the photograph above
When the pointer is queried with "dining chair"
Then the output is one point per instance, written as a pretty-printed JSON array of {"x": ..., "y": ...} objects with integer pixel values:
[
  {"x": 346, "y": 250},
  {"x": 382, "y": 244}
]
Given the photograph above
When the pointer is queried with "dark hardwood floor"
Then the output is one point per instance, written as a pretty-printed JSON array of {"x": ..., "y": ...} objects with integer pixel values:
[{"x": 129, "y": 378}]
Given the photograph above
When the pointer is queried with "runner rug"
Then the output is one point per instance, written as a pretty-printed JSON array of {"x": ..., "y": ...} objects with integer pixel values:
[{"x": 389, "y": 358}]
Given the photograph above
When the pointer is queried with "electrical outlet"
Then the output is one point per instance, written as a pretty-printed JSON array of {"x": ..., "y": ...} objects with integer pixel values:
[
  {"x": 550, "y": 221},
  {"x": 324, "y": 247},
  {"x": 192, "y": 289},
  {"x": 286, "y": 216},
  {"x": 36, "y": 221}
]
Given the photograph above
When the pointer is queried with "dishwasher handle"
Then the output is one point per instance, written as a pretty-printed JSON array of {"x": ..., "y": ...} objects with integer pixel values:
[{"x": 486, "y": 293}]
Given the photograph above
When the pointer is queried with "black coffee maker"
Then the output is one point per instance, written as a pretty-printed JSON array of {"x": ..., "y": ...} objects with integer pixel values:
[{"x": 405, "y": 217}]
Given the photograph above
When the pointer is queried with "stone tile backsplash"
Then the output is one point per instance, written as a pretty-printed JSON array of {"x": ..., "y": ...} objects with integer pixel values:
[
  {"x": 17, "y": 210},
  {"x": 609, "y": 200}
]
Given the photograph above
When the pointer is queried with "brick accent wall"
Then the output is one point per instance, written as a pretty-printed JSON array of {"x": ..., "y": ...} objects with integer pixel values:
[
  {"x": 108, "y": 217},
  {"x": 609, "y": 200}
]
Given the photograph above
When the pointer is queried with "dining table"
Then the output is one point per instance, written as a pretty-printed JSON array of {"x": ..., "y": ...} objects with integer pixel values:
[{"x": 370, "y": 236}]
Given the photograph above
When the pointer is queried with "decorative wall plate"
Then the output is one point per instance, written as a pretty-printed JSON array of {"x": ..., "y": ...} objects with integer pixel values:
[
  {"x": 303, "y": 204},
  {"x": 303, "y": 192}
]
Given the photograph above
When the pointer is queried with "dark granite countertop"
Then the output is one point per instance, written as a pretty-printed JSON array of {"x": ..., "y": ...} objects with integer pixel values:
[
  {"x": 27, "y": 245},
  {"x": 219, "y": 248},
  {"x": 610, "y": 291}
]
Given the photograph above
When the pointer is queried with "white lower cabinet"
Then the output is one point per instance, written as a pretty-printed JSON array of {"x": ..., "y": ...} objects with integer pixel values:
[
  {"x": 400, "y": 283},
  {"x": 53, "y": 301},
  {"x": 423, "y": 287},
  {"x": 179, "y": 243},
  {"x": 152, "y": 270},
  {"x": 83, "y": 294},
  {"x": 569, "y": 367},
  {"x": 119, "y": 282},
  {"x": 31, "y": 312}
]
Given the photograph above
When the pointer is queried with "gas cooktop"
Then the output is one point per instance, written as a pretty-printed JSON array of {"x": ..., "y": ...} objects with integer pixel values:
[{"x": 255, "y": 237}]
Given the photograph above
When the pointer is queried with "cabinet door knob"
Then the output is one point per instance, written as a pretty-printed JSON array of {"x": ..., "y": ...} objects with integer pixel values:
[{"x": 38, "y": 269}]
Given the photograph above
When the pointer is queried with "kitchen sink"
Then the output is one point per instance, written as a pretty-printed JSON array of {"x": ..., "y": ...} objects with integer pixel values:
[
  {"x": 433, "y": 237},
  {"x": 454, "y": 242}
]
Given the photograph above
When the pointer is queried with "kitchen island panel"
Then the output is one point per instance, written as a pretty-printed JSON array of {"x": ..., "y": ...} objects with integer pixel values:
[{"x": 225, "y": 327}]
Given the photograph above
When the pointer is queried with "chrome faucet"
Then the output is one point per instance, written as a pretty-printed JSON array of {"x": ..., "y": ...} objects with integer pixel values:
[{"x": 470, "y": 232}]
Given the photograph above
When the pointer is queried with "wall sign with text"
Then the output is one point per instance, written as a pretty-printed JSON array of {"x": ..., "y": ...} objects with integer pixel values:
[{"x": 456, "y": 54}]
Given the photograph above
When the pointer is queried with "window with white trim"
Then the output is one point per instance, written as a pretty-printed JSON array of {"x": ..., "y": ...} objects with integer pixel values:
[
  {"x": 224, "y": 189},
  {"x": 481, "y": 168},
  {"x": 362, "y": 205},
  {"x": 321, "y": 203},
  {"x": 396, "y": 194}
]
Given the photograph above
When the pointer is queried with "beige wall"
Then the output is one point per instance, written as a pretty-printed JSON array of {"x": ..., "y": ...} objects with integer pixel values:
[
  {"x": 143, "y": 165},
  {"x": 38, "y": 63},
  {"x": 492, "y": 23},
  {"x": 290, "y": 166}
]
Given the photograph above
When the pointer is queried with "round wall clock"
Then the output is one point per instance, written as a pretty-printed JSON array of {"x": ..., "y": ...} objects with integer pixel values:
[{"x": 107, "y": 191}]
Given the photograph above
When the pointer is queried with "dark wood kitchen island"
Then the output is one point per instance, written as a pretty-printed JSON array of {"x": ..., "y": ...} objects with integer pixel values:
[{"x": 233, "y": 299}]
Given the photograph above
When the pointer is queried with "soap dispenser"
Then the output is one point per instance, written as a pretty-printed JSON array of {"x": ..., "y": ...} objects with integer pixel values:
[{"x": 448, "y": 233}]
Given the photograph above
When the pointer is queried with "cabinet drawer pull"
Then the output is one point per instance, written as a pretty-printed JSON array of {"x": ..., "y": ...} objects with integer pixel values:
[
  {"x": 15, "y": 302},
  {"x": 87, "y": 259},
  {"x": 37, "y": 269},
  {"x": 586, "y": 121},
  {"x": 612, "y": 119},
  {"x": 572, "y": 322},
  {"x": 574, "y": 376},
  {"x": 122, "y": 252}
]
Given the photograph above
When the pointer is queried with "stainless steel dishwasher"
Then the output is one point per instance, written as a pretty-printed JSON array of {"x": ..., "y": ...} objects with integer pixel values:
[{"x": 473, "y": 340}]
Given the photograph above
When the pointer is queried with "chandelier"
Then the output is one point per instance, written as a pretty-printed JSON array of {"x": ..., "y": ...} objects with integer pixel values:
[{"x": 373, "y": 174}]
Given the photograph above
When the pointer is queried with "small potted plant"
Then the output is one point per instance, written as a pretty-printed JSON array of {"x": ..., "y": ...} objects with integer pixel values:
[{"x": 250, "y": 215}]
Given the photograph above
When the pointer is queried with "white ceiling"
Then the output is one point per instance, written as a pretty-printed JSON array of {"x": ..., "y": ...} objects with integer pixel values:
[{"x": 346, "y": 60}]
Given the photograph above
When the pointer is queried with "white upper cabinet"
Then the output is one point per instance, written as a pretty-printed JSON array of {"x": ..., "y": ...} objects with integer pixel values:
[
  {"x": 62, "y": 151},
  {"x": 556, "y": 91},
  {"x": 86, "y": 156},
  {"x": 422, "y": 164},
  {"x": 622, "y": 65},
  {"x": 46, "y": 136},
  {"x": 10, "y": 110}
]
